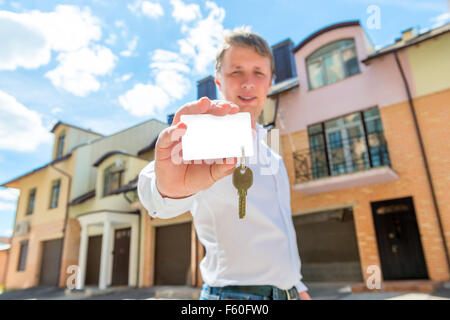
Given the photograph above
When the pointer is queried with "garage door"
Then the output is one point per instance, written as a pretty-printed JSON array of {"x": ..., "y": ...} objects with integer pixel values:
[
  {"x": 328, "y": 247},
  {"x": 173, "y": 254},
  {"x": 51, "y": 262}
]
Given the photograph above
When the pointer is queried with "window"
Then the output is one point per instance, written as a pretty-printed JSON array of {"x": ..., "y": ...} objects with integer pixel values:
[
  {"x": 60, "y": 146},
  {"x": 23, "y": 256},
  {"x": 331, "y": 63},
  {"x": 349, "y": 143},
  {"x": 55, "y": 194},
  {"x": 31, "y": 199},
  {"x": 377, "y": 144},
  {"x": 112, "y": 179}
]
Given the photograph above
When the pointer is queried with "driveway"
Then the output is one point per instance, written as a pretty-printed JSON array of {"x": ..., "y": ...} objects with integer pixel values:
[{"x": 317, "y": 291}]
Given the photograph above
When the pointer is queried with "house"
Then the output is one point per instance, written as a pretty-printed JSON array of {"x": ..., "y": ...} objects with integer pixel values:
[
  {"x": 362, "y": 134},
  {"x": 4, "y": 253},
  {"x": 70, "y": 203},
  {"x": 363, "y": 138},
  {"x": 39, "y": 235}
]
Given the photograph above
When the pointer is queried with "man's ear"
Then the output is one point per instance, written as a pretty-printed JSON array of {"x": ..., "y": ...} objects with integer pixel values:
[{"x": 217, "y": 81}]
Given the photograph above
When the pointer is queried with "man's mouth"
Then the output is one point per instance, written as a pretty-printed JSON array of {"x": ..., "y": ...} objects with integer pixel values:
[{"x": 246, "y": 99}]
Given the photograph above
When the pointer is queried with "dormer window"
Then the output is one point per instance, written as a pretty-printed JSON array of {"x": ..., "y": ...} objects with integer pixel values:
[
  {"x": 112, "y": 178},
  {"x": 331, "y": 63},
  {"x": 60, "y": 146}
]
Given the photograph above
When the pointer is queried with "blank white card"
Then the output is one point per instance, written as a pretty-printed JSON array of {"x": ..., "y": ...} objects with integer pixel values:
[{"x": 214, "y": 137}]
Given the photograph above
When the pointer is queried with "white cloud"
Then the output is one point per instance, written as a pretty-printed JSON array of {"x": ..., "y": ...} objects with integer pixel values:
[
  {"x": 124, "y": 78},
  {"x": 147, "y": 8},
  {"x": 185, "y": 12},
  {"x": 9, "y": 194},
  {"x": 68, "y": 28},
  {"x": 144, "y": 100},
  {"x": 173, "y": 83},
  {"x": 28, "y": 38},
  {"x": 120, "y": 24},
  {"x": 21, "y": 129},
  {"x": 131, "y": 46},
  {"x": 22, "y": 44},
  {"x": 170, "y": 70},
  {"x": 77, "y": 69},
  {"x": 7, "y": 206},
  {"x": 440, "y": 20},
  {"x": 204, "y": 39},
  {"x": 56, "y": 110},
  {"x": 111, "y": 40}
]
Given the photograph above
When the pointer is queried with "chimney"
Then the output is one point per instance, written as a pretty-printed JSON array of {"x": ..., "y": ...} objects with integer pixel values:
[
  {"x": 284, "y": 61},
  {"x": 170, "y": 118},
  {"x": 206, "y": 88},
  {"x": 408, "y": 34}
]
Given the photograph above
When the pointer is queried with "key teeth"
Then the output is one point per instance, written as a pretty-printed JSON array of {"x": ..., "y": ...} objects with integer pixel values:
[{"x": 241, "y": 207}]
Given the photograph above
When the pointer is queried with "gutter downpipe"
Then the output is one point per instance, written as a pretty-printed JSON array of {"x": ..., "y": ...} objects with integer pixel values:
[{"x": 427, "y": 169}]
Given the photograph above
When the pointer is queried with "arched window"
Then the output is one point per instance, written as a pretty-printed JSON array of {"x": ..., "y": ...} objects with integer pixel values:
[{"x": 333, "y": 62}]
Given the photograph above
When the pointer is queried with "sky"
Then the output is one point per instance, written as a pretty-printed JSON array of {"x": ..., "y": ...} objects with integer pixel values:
[{"x": 107, "y": 65}]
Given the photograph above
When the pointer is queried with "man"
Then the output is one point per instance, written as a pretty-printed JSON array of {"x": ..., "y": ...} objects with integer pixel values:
[{"x": 251, "y": 258}]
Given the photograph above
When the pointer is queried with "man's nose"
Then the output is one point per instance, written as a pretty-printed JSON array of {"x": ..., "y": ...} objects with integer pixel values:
[{"x": 248, "y": 83}]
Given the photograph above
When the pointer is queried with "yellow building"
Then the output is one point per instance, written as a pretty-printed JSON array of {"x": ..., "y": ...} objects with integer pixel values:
[{"x": 39, "y": 237}]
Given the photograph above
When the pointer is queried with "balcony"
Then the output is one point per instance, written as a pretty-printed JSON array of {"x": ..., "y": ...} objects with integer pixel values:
[{"x": 339, "y": 164}]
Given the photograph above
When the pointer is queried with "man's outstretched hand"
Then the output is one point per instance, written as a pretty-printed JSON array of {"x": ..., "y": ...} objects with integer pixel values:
[{"x": 180, "y": 179}]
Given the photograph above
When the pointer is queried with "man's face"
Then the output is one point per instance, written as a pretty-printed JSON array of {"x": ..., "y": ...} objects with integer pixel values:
[{"x": 245, "y": 79}]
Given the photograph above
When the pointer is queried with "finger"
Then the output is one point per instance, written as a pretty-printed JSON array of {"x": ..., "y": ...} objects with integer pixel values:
[
  {"x": 196, "y": 107},
  {"x": 171, "y": 135},
  {"x": 230, "y": 107},
  {"x": 219, "y": 171}
]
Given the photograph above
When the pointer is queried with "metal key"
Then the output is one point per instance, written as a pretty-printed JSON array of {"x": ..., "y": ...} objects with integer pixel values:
[{"x": 242, "y": 181}]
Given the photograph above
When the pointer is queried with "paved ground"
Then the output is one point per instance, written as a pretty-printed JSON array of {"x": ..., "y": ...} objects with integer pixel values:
[{"x": 317, "y": 291}]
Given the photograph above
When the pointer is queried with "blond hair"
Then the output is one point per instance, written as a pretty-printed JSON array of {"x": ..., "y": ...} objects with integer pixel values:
[{"x": 243, "y": 37}]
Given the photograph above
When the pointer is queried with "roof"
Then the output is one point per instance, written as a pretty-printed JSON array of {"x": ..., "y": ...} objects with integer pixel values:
[
  {"x": 111, "y": 153},
  {"x": 282, "y": 43},
  {"x": 339, "y": 25},
  {"x": 283, "y": 86},
  {"x": 82, "y": 198},
  {"x": 205, "y": 79},
  {"x": 9, "y": 183},
  {"x": 69, "y": 125},
  {"x": 151, "y": 146},
  {"x": 404, "y": 44}
]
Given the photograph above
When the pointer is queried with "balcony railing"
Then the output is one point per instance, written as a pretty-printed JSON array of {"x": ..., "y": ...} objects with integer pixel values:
[{"x": 342, "y": 156}]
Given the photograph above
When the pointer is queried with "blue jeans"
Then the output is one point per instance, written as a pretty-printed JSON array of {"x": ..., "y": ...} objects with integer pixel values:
[{"x": 217, "y": 293}]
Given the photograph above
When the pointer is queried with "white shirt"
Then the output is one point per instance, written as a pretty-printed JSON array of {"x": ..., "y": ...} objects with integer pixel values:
[{"x": 261, "y": 248}]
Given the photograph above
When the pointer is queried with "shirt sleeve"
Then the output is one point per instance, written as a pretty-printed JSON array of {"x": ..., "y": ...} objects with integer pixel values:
[{"x": 151, "y": 199}]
